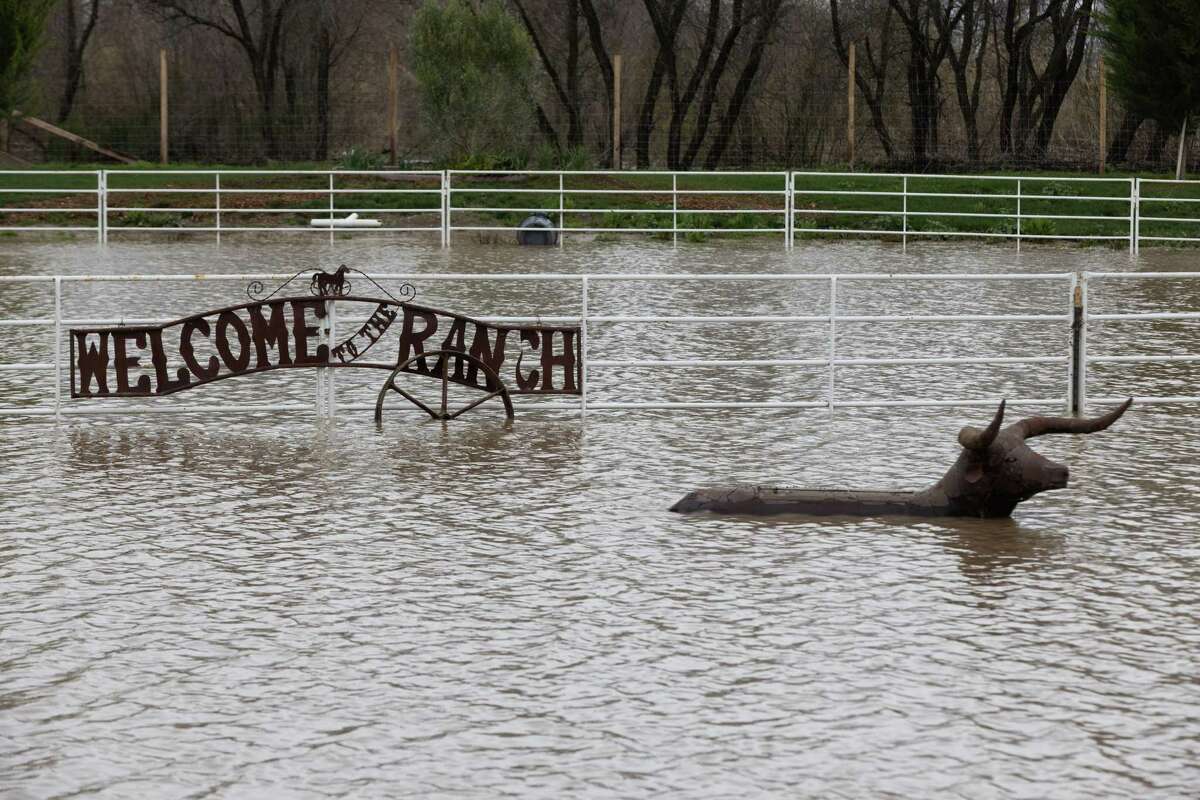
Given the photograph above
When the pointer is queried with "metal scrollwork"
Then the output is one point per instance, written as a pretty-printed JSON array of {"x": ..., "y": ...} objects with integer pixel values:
[{"x": 330, "y": 284}]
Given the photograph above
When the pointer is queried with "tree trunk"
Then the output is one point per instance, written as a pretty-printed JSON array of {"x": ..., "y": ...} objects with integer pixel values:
[
  {"x": 1179, "y": 159},
  {"x": 574, "y": 123},
  {"x": 646, "y": 116},
  {"x": 600, "y": 52},
  {"x": 76, "y": 45},
  {"x": 1118, "y": 148},
  {"x": 741, "y": 89},
  {"x": 324, "y": 68},
  {"x": 683, "y": 102}
]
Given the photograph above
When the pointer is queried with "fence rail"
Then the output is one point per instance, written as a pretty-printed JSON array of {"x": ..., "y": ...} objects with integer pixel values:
[
  {"x": 1076, "y": 324},
  {"x": 670, "y": 205}
]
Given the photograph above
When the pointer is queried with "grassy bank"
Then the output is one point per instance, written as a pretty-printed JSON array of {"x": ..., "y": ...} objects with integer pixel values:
[{"x": 833, "y": 205}]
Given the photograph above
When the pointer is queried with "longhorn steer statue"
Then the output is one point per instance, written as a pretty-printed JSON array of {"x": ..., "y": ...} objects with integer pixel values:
[{"x": 995, "y": 471}]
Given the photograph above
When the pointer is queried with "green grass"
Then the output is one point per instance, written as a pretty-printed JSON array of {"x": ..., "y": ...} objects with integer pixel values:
[{"x": 638, "y": 200}]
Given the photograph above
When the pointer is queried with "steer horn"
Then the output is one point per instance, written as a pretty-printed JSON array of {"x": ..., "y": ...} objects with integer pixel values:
[
  {"x": 1039, "y": 426},
  {"x": 974, "y": 439}
]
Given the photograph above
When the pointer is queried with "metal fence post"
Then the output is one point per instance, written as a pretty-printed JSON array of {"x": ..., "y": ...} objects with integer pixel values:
[
  {"x": 1079, "y": 314},
  {"x": 1135, "y": 215},
  {"x": 904, "y": 216},
  {"x": 217, "y": 185},
  {"x": 674, "y": 209},
  {"x": 445, "y": 208},
  {"x": 102, "y": 205},
  {"x": 832, "y": 337},
  {"x": 331, "y": 208},
  {"x": 562, "y": 220},
  {"x": 789, "y": 205},
  {"x": 57, "y": 347},
  {"x": 331, "y": 374},
  {"x": 583, "y": 353},
  {"x": 1019, "y": 215}
]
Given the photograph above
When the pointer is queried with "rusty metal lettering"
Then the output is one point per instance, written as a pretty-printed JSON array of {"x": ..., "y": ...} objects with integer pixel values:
[
  {"x": 188, "y": 352},
  {"x": 302, "y": 331},
  {"x": 529, "y": 382},
  {"x": 271, "y": 334},
  {"x": 566, "y": 360},
  {"x": 158, "y": 357},
  {"x": 228, "y": 320},
  {"x": 91, "y": 363},
  {"x": 370, "y": 333},
  {"x": 126, "y": 362},
  {"x": 491, "y": 355},
  {"x": 455, "y": 342},
  {"x": 411, "y": 341}
]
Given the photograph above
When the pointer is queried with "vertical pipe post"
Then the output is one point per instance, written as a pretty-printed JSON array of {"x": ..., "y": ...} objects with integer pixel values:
[
  {"x": 331, "y": 376},
  {"x": 57, "y": 346},
  {"x": 331, "y": 209},
  {"x": 1019, "y": 215},
  {"x": 1135, "y": 215},
  {"x": 616, "y": 112},
  {"x": 446, "y": 208},
  {"x": 850, "y": 107},
  {"x": 562, "y": 218},
  {"x": 101, "y": 209},
  {"x": 583, "y": 353},
  {"x": 832, "y": 338},
  {"x": 217, "y": 186},
  {"x": 1079, "y": 347},
  {"x": 675, "y": 209},
  {"x": 163, "y": 142},
  {"x": 904, "y": 216},
  {"x": 393, "y": 102},
  {"x": 787, "y": 208},
  {"x": 1103, "y": 118}
]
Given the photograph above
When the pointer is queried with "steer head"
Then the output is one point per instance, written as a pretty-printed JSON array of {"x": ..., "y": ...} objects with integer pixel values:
[{"x": 997, "y": 469}]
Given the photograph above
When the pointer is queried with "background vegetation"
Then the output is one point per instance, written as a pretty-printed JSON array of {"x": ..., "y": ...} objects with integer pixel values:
[{"x": 940, "y": 85}]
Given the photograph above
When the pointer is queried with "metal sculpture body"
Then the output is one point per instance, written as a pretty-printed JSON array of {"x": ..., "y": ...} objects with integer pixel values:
[{"x": 995, "y": 470}]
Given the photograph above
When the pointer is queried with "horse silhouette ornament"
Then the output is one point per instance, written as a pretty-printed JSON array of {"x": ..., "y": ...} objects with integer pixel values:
[{"x": 995, "y": 470}]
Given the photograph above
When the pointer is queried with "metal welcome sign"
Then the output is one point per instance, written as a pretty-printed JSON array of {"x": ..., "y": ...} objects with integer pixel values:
[{"x": 272, "y": 333}]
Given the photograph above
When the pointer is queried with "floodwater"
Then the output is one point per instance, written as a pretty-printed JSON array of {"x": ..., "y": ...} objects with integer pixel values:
[{"x": 270, "y": 606}]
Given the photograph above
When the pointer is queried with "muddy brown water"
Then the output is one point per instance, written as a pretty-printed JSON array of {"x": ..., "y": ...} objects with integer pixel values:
[{"x": 271, "y": 606}]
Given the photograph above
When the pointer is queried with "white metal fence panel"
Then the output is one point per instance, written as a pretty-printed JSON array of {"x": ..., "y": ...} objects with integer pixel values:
[
  {"x": 963, "y": 206},
  {"x": 271, "y": 201},
  {"x": 65, "y": 201},
  {"x": 667, "y": 205},
  {"x": 596, "y": 312},
  {"x": 1169, "y": 336}
]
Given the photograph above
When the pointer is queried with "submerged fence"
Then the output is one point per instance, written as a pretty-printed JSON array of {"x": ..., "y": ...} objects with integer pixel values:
[
  {"x": 1073, "y": 349},
  {"x": 784, "y": 206}
]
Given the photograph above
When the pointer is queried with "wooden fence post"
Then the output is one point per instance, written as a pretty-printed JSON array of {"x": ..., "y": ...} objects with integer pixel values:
[
  {"x": 163, "y": 141},
  {"x": 616, "y": 112},
  {"x": 1103, "y": 118},
  {"x": 393, "y": 101},
  {"x": 850, "y": 107}
]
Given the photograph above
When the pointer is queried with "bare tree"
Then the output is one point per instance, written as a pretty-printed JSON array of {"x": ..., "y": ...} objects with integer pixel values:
[
  {"x": 768, "y": 13},
  {"x": 1033, "y": 98},
  {"x": 967, "y": 61},
  {"x": 565, "y": 82},
  {"x": 871, "y": 77},
  {"x": 77, "y": 12},
  {"x": 258, "y": 30}
]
